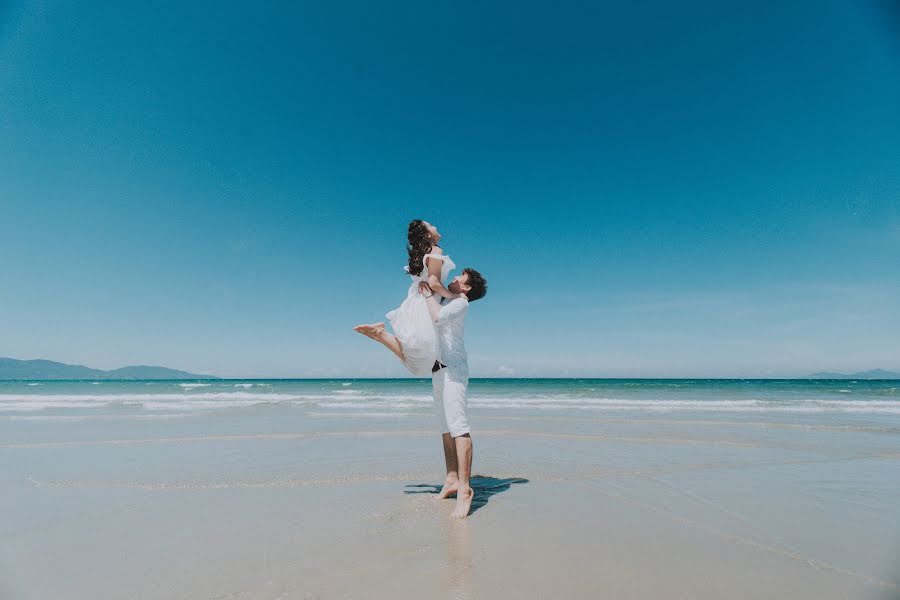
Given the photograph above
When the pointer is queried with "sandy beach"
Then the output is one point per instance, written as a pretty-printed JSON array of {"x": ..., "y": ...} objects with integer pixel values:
[{"x": 281, "y": 502}]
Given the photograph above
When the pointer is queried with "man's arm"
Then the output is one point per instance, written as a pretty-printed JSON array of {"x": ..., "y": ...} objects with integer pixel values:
[{"x": 455, "y": 309}]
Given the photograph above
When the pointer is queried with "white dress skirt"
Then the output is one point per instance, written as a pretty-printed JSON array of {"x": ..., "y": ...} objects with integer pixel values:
[{"x": 412, "y": 322}]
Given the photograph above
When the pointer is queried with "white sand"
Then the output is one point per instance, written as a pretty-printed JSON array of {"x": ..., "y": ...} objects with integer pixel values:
[{"x": 612, "y": 508}]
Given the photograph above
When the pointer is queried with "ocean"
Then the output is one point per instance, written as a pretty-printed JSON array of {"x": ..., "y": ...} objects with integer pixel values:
[{"x": 787, "y": 398}]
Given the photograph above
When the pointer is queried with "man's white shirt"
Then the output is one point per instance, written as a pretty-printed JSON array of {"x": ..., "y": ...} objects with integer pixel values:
[{"x": 451, "y": 327}]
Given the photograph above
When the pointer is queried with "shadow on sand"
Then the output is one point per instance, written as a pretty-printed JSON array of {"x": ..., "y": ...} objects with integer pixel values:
[{"x": 483, "y": 485}]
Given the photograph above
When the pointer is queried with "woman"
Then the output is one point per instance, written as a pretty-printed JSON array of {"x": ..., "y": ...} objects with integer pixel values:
[{"x": 415, "y": 339}]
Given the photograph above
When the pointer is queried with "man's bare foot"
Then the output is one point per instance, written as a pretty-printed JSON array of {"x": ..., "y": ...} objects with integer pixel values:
[
  {"x": 372, "y": 331},
  {"x": 464, "y": 497},
  {"x": 451, "y": 485}
]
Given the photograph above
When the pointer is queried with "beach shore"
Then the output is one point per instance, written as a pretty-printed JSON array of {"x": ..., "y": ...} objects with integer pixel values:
[{"x": 281, "y": 503}]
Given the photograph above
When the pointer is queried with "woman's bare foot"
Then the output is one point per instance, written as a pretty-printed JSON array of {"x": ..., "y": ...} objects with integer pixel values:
[
  {"x": 463, "y": 503},
  {"x": 373, "y": 331},
  {"x": 376, "y": 332},
  {"x": 451, "y": 485}
]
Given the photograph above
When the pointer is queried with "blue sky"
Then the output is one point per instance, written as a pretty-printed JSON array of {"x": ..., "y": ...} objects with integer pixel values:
[{"x": 691, "y": 189}]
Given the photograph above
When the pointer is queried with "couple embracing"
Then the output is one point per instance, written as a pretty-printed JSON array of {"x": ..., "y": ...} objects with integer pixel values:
[{"x": 428, "y": 339}]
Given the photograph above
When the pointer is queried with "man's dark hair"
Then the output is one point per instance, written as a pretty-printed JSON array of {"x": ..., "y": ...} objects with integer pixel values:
[{"x": 477, "y": 283}]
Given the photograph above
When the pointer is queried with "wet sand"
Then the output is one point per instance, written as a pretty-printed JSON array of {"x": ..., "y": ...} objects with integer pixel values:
[{"x": 315, "y": 505}]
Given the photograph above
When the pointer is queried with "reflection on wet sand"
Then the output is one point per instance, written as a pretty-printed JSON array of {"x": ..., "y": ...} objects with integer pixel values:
[{"x": 459, "y": 567}]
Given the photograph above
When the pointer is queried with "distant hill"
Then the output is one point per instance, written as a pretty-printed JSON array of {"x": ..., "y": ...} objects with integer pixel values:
[
  {"x": 874, "y": 374},
  {"x": 10, "y": 368}
]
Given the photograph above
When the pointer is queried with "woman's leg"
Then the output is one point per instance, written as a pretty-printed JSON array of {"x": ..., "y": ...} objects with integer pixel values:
[{"x": 376, "y": 332}]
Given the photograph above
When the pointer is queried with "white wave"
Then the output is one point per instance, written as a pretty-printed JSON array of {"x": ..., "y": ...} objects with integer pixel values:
[
  {"x": 369, "y": 414},
  {"x": 620, "y": 404},
  {"x": 818, "y": 406},
  {"x": 200, "y": 404},
  {"x": 193, "y": 385},
  {"x": 35, "y": 384},
  {"x": 141, "y": 397},
  {"x": 347, "y": 383},
  {"x": 78, "y": 418},
  {"x": 243, "y": 385},
  {"x": 196, "y": 400},
  {"x": 854, "y": 403},
  {"x": 357, "y": 400},
  {"x": 423, "y": 398},
  {"x": 202, "y": 400},
  {"x": 357, "y": 407},
  {"x": 33, "y": 406}
]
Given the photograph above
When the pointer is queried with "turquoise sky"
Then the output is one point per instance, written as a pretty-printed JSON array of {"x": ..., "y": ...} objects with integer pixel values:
[{"x": 652, "y": 189}]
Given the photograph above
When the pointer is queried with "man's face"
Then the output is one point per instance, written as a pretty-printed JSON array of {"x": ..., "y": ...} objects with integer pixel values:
[{"x": 460, "y": 284}]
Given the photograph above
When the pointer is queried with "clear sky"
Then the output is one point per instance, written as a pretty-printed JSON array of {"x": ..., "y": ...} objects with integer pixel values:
[{"x": 652, "y": 189}]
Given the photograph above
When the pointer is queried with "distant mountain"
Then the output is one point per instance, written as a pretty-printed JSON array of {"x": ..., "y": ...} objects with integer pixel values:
[
  {"x": 874, "y": 374},
  {"x": 10, "y": 368},
  {"x": 147, "y": 372}
]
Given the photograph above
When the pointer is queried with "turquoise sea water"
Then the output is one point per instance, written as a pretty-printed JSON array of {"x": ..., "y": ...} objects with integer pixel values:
[
  {"x": 32, "y": 411},
  {"x": 86, "y": 399}
]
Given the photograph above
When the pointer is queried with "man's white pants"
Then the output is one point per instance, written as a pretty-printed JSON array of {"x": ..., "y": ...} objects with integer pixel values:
[{"x": 449, "y": 386}]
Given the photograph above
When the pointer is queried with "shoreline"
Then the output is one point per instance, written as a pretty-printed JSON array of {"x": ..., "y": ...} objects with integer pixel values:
[{"x": 195, "y": 494}]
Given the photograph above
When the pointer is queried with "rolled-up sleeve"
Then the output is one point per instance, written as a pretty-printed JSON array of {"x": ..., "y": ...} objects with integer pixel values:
[{"x": 454, "y": 309}]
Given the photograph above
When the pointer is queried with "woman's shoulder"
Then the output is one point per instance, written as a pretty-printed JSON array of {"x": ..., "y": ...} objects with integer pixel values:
[{"x": 436, "y": 253}]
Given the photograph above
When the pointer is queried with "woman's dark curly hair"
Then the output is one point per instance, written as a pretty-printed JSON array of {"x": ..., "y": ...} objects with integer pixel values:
[{"x": 419, "y": 245}]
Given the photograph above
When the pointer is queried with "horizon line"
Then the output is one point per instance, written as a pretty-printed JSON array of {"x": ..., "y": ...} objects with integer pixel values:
[{"x": 213, "y": 379}]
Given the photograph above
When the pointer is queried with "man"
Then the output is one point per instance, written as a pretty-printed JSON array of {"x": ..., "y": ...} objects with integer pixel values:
[{"x": 450, "y": 380}]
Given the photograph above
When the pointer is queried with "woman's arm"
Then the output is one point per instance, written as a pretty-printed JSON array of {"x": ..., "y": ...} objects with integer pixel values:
[
  {"x": 434, "y": 309},
  {"x": 434, "y": 275}
]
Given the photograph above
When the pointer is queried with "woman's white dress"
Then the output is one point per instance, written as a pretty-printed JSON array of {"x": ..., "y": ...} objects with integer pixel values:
[{"x": 412, "y": 322}]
